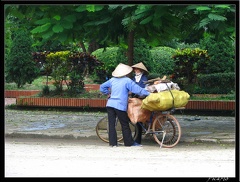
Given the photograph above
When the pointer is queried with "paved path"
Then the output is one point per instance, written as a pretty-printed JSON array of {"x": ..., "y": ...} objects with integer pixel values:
[
  {"x": 79, "y": 125},
  {"x": 9, "y": 101}
]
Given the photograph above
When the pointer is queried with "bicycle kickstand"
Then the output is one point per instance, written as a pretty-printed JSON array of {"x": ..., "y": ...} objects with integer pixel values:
[{"x": 164, "y": 134}]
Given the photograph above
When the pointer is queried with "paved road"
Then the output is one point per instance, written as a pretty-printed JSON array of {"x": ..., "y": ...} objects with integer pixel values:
[
  {"x": 91, "y": 158},
  {"x": 64, "y": 144},
  {"x": 75, "y": 125}
]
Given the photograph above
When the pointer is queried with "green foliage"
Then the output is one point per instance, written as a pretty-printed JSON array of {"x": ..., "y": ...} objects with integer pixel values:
[
  {"x": 7, "y": 39},
  {"x": 162, "y": 64},
  {"x": 37, "y": 84},
  {"x": 221, "y": 53},
  {"x": 142, "y": 53},
  {"x": 50, "y": 45},
  {"x": 59, "y": 65},
  {"x": 76, "y": 84},
  {"x": 189, "y": 63},
  {"x": 217, "y": 20},
  {"x": 175, "y": 44},
  {"x": 20, "y": 67},
  {"x": 68, "y": 67},
  {"x": 45, "y": 90},
  {"x": 154, "y": 75},
  {"x": 40, "y": 59},
  {"x": 221, "y": 97},
  {"x": 112, "y": 56},
  {"x": 216, "y": 83},
  {"x": 109, "y": 59}
]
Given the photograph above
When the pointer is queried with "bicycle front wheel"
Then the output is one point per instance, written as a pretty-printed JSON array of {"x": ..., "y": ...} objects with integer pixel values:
[
  {"x": 102, "y": 130},
  {"x": 167, "y": 131}
]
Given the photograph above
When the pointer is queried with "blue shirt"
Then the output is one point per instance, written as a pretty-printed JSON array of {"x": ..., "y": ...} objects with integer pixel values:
[{"x": 119, "y": 89}]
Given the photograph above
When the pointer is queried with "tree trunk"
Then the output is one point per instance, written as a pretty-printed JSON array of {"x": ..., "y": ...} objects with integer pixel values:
[
  {"x": 93, "y": 46},
  {"x": 83, "y": 46},
  {"x": 130, "y": 47}
]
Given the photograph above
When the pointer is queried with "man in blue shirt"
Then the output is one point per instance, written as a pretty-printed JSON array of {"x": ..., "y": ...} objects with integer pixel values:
[{"x": 118, "y": 88}]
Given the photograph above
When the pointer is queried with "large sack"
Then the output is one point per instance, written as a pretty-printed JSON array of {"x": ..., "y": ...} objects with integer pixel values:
[
  {"x": 164, "y": 100},
  {"x": 135, "y": 112}
]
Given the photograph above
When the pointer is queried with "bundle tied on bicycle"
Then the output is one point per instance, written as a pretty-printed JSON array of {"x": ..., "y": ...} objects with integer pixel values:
[
  {"x": 135, "y": 112},
  {"x": 165, "y": 100},
  {"x": 140, "y": 110},
  {"x": 164, "y": 95}
]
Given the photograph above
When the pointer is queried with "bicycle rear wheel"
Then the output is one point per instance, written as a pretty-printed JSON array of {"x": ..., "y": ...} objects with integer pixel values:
[
  {"x": 102, "y": 130},
  {"x": 167, "y": 131}
]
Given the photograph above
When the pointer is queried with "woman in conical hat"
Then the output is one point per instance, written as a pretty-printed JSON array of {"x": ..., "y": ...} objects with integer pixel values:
[
  {"x": 140, "y": 77},
  {"x": 141, "y": 67},
  {"x": 140, "y": 74},
  {"x": 118, "y": 88},
  {"x": 122, "y": 70}
]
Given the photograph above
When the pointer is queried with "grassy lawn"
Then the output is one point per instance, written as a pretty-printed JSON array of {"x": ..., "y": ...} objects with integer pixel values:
[
  {"x": 214, "y": 97},
  {"x": 39, "y": 83}
]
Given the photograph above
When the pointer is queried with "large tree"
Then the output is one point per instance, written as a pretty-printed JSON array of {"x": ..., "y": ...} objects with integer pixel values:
[
  {"x": 106, "y": 24},
  {"x": 216, "y": 19},
  {"x": 121, "y": 24}
]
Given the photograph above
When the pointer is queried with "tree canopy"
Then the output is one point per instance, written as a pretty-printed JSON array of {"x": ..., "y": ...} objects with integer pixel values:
[{"x": 120, "y": 24}]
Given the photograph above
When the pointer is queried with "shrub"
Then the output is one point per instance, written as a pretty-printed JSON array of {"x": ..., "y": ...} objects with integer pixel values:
[
  {"x": 45, "y": 90},
  {"x": 189, "y": 63},
  {"x": 216, "y": 83},
  {"x": 221, "y": 54},
  {"x": 59, "y": 64},
  {"x": 20, "y": 67},
  {"x": 110, "y": 57},
  {"x": 162, "y": 63},
  {"x": 142, "y": 54}
]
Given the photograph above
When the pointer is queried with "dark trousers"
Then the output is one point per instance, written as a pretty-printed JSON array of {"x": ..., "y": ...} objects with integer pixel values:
[
  {"x": 139, "y": 136},
  {"x": 124, "y": 121}
]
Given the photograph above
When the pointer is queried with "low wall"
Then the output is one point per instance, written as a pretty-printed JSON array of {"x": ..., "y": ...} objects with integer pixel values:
[
  {"x": 95, "y": 102},
  {"x": 17, "y": 93},
  {"x": 101, "y": 103}
]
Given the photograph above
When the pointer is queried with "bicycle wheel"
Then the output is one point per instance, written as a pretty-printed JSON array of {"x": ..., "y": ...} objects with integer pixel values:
[
  {"x": 167, "y": 131},
  {"x": 102, "y": 130}
]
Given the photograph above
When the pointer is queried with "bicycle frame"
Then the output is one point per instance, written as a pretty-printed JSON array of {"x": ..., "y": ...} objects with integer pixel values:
[{"x": 164, "y": 127}]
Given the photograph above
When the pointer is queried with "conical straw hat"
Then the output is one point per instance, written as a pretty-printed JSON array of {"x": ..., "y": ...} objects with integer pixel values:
[
  {"x": 140, "y": 66},
  {"x": 122, "y": 70}
]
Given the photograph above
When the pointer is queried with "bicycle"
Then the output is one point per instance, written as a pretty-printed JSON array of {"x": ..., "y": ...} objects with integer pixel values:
[
  {"x": 102, "y": 130},
  {"x": 162, "y": 125}
]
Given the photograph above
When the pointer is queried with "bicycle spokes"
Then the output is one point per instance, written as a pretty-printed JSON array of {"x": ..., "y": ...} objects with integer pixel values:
[{"x": 166, "y": 131}]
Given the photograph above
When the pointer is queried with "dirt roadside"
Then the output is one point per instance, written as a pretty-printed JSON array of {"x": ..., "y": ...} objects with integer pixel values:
[{"x": 77, "y": 125}]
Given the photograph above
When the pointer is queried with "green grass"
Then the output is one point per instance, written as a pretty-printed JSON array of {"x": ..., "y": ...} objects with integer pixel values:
[
  {"x": 40, "y": 82},
  {"x": 67, "y": 94},
  {"x": 216, "y": 97},
  {"x": 37, "y": 84}
]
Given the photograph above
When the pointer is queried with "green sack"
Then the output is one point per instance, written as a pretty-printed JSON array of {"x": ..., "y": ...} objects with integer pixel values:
[{"x": 165, "y": 100}]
